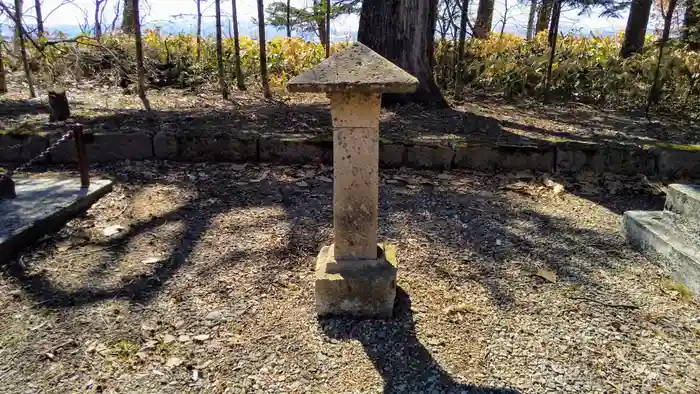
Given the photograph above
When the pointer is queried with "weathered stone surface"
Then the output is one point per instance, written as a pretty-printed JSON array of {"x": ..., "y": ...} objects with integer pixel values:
[
  {"x": 678, "y": 163},
  {"x": 355, "y": 174},
  {"x": 356, "y": 288},
  {"x": 667, "y": 238},
  {"x": 296, "y": 150},
  {"x": 391, "y": 154},
  {"x": 503, "y": 157},
  {"x": 165, "y": 146},
  {"x": 106, "y": 147},
  {"x": 21, "y": 148},
  {"x": 357, "y": 69},
  {"x": 573, "y": 158},
  {"x": 684, "y": 200},
  {"x": 43, "y": 205},
  {"x": 239, "y": 146},
  {"x": 429, "y": 156}
]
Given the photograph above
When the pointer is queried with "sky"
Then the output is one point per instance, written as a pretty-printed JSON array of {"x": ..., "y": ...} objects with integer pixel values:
[{"x": 165, "y": 12}]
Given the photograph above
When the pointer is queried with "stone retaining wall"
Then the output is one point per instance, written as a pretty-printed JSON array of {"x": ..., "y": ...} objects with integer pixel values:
[{"x": 563, "y": 157}]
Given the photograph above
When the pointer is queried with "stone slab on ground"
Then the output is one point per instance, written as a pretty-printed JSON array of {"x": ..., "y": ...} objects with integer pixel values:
[
  {"x": 42, "y": 206},
  {"x": 296, "y": 149},
  {"x": 678, "y": 163},
  {"x": 669, "y": 238},
  {"x": 684, "y": 200},
  {"x": 357, "y": 288}
]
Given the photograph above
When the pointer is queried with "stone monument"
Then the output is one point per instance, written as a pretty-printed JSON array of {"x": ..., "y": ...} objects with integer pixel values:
[{"x": 355, "y": 276}]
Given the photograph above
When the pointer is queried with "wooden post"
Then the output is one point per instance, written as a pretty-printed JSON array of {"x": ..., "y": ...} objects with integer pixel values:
[{"x": 82, "y": 155}]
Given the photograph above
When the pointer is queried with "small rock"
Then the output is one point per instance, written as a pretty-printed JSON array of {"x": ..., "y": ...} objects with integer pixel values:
[
  {"x": 302, "y": 184},
  {"x": 113, "y": 230},
  {"x": 325, "y": 179},
  {"x": 195, "y": 375},
  {"x": 215, "y": 316},
  {"x": 201, "y": 338},
  {"x": 391, "y": 182},
  {"x": 184, "y": 338},
  {"x": 173, "y": 362},
  {"x": 168, "y": 338}
]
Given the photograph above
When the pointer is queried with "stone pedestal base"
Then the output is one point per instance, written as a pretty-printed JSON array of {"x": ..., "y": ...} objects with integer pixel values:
[{"x": 356, "y": 288}]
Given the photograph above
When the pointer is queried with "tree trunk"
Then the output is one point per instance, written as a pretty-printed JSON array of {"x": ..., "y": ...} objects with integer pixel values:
[
  {"x": 289, "y": 18},
  {"x": 220, "y": 52},
  {"x": 58, "y": 105},
  {"x": 553, "y": 35},
  {"x": 403, "y": 31},
  {"x": 22, "y": 49},
  {"x": 320, "y": 17},
  {"x": 531, "y": 20},
  {"x": 136, "y": 26},
  {"x": 636, "y": 27},
  {"x": 655, "y": 89},
  {"x": 544, "y": 15},
  {"x": 328, "y": 28},
  {"x": 3, "y": 79},
  {"x": 459, "y": 75},
  {"x": 263, "y": 50},
  {"x": 199, "y": 29},
  {"x": 237, "y": 48},
  {"x": 39, "y": 19},
  {"x": 691, "y": 25},
  {"x": 484, "y": 18},
  {"x": 130, "y": 17},
  {"x": 98, "y": 21},
  {"x": 19, "y": 5}
]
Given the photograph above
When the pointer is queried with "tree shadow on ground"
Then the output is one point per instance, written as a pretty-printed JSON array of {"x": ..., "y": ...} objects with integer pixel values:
[{"x": 403, "y": 362}]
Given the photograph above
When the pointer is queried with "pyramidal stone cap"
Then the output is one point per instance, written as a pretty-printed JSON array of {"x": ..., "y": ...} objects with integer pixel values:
[{"x": 357, "y": 69}]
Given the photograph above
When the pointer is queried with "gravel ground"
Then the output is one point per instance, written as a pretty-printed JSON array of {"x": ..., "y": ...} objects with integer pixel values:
[{"x": 199, "y": 278}]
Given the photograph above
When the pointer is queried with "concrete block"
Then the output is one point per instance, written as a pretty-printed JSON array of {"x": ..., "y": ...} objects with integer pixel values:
[
  {"x": 356, "y": 288},
  {"x": 391, "y": 154},
  {"x": 165, "y": 146},
  {"x": 678, "y": 163},
  {"x": 296, "y": 149},
  {"x": 225, "y": 147},
  {"x": 21, "y": 148},
  {"x": 665, "y": 237},
  {"x": 573, "y": 158},
  {"x": 106, "y": 148},
  {"x": 429, "y": 156},
  {"x": 504, "y": 157},
  {"x": 684, "y": 200}
]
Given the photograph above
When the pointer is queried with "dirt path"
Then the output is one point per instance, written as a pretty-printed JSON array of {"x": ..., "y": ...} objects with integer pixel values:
[{"x": 208, "y": 287}]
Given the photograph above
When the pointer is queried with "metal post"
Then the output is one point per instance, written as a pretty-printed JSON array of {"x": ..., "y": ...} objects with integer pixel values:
[{"x": 82, "y": 155}]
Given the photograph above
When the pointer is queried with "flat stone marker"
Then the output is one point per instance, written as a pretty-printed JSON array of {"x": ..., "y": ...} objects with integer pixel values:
[
  {"x": 355, "y": 276},
  {"x": 43, "y": 205}
]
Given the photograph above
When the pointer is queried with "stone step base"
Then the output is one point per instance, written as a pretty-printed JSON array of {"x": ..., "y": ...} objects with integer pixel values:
[
  {"x": 684, "y": 200},
  {"x": 668, "y": 238}
]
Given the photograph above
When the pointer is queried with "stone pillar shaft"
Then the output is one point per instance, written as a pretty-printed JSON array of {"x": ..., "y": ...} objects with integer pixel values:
[{"x": 355, "y": 170}]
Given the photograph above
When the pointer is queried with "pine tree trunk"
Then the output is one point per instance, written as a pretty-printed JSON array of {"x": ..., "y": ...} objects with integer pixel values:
[
  {"x": 136, "y": 26},
  {"x": 319, "y": 16},
  {"x": 263, "y": 50},
  {"x": 199, "y": 29},
  {"x": 289, "y": 18},
  {"x": 403, "y": 31},
  {"x": 220, "y": 51},
  {"x": 691, "y": 25},
  {"x": 22, "y": 49},
  {"x": 484, "y": 18},
  {"x": 636, "y": 27},
  {"x": 531, "y": 20},
  {"x": 240, "y": 78},
  {"x": 39, "y": 19},
  {"x": 459, "y": 75},
  {"x": 544, "y": 15},
  {"x": 130, "y": 17}
]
